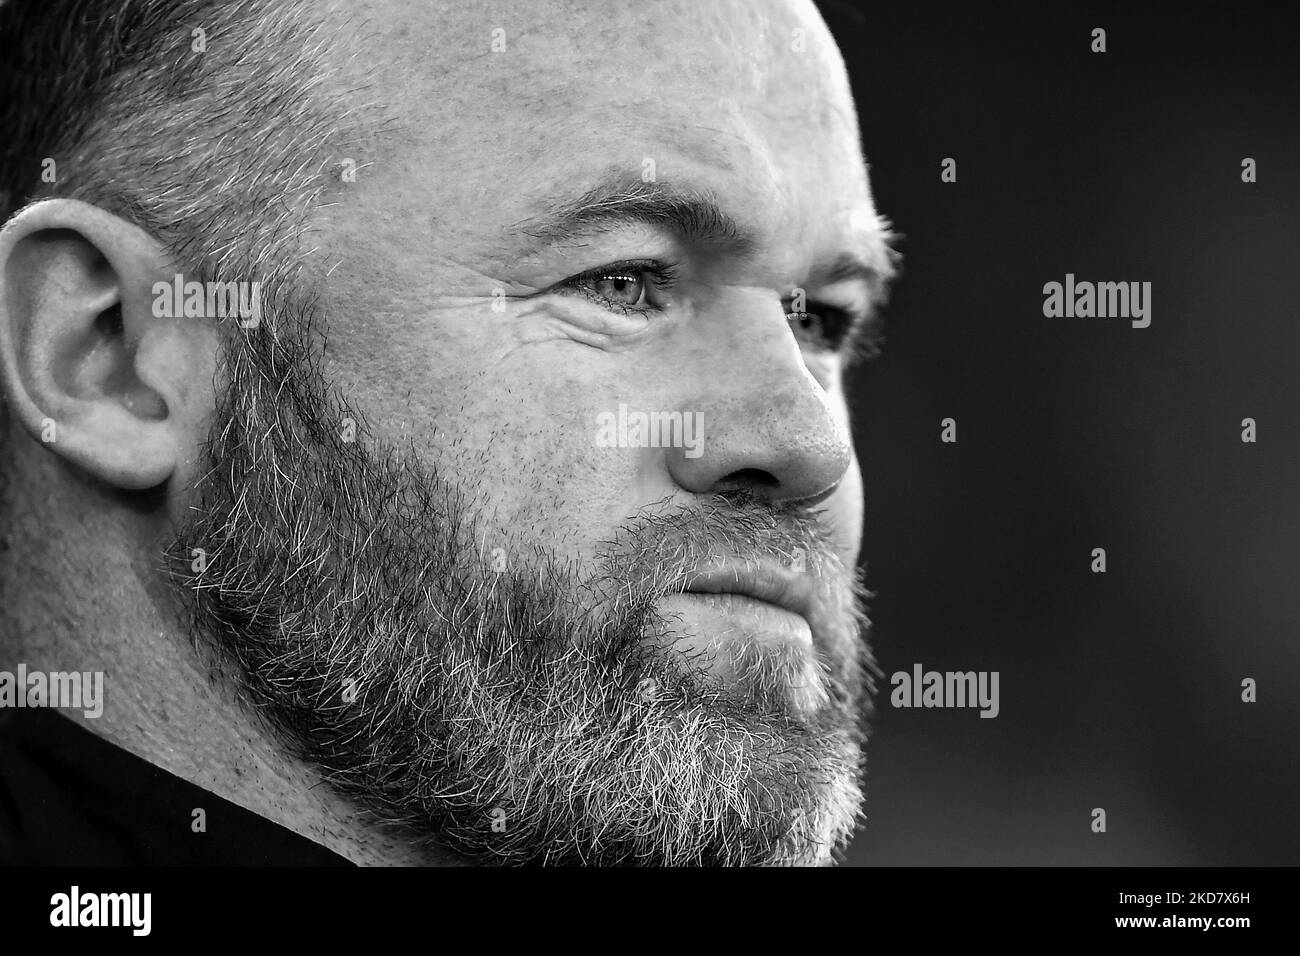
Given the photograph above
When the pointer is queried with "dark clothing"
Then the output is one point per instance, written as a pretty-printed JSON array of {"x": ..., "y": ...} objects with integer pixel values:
[{"x": 71, "y": 798}]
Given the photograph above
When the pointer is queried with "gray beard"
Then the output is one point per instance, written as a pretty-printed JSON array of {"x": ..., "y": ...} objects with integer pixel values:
[{"x": 525, "y": 714}]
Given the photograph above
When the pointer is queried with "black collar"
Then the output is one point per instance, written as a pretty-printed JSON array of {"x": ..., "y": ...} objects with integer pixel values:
[{"x": 71, "y": 798}]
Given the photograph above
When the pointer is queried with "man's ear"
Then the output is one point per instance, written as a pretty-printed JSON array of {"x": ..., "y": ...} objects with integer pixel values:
[{"x": 87, "y": 368}]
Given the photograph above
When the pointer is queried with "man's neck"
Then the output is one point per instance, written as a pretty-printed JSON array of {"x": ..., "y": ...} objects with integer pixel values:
[{"x": 160, "y": 704}]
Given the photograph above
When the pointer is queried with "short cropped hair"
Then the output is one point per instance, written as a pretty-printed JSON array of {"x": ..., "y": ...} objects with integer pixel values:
[{"x": 208, "y": 123}]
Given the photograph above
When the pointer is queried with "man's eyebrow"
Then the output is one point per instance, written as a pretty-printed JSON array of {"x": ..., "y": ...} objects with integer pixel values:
[
  {"x": 692, "y": 214},
  {"x": 870, "y": 266},
  {"x": 875, "y": 264}
]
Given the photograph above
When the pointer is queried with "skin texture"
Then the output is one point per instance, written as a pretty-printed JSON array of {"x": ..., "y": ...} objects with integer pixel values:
[
  {"x": 448, "y": 333},
  {"x": 767, "y": 411}
]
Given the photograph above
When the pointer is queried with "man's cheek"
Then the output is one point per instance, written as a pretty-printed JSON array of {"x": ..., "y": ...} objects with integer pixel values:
[
  {"x": 846, "y": 513},
  {"x": 845, "y": 508},
  {"x": 536, "y": 447}
]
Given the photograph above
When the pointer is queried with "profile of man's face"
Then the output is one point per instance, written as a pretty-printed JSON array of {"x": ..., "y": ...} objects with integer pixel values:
[{"x": 547, "y": 551}]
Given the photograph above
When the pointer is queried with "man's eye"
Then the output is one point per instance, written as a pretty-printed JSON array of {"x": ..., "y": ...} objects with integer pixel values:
[
  {"x": 625, "y": 290},
  {"x": 623, "y": 286},
  {"x": 824, "y": 328}
]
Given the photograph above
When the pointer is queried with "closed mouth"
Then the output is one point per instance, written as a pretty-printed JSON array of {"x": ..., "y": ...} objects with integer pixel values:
[{"x": 770, "y": 584}]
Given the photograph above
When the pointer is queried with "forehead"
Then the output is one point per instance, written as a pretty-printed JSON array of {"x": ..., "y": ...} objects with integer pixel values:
[{"x": 534, "y": 101}]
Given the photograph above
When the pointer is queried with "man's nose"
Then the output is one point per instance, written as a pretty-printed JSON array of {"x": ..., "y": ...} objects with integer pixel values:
[{"x": 768, "y": 426}]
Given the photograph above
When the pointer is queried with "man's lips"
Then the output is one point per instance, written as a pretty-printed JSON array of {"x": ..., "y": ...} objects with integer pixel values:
[
  {"x": 757, "y": 624},
  {"x": 769, "y": 583}
]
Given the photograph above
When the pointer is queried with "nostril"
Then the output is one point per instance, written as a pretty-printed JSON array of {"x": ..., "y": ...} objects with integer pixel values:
[
  {"x": 748, "y": 479},
  {"x": 763, "y": 484}
]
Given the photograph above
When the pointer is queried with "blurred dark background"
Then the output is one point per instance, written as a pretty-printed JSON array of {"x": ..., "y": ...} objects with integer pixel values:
[{"x": 1119, "y": 690}]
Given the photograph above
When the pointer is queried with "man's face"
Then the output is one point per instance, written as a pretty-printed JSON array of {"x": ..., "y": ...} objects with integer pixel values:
[{"x": 578, "y": 216}]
